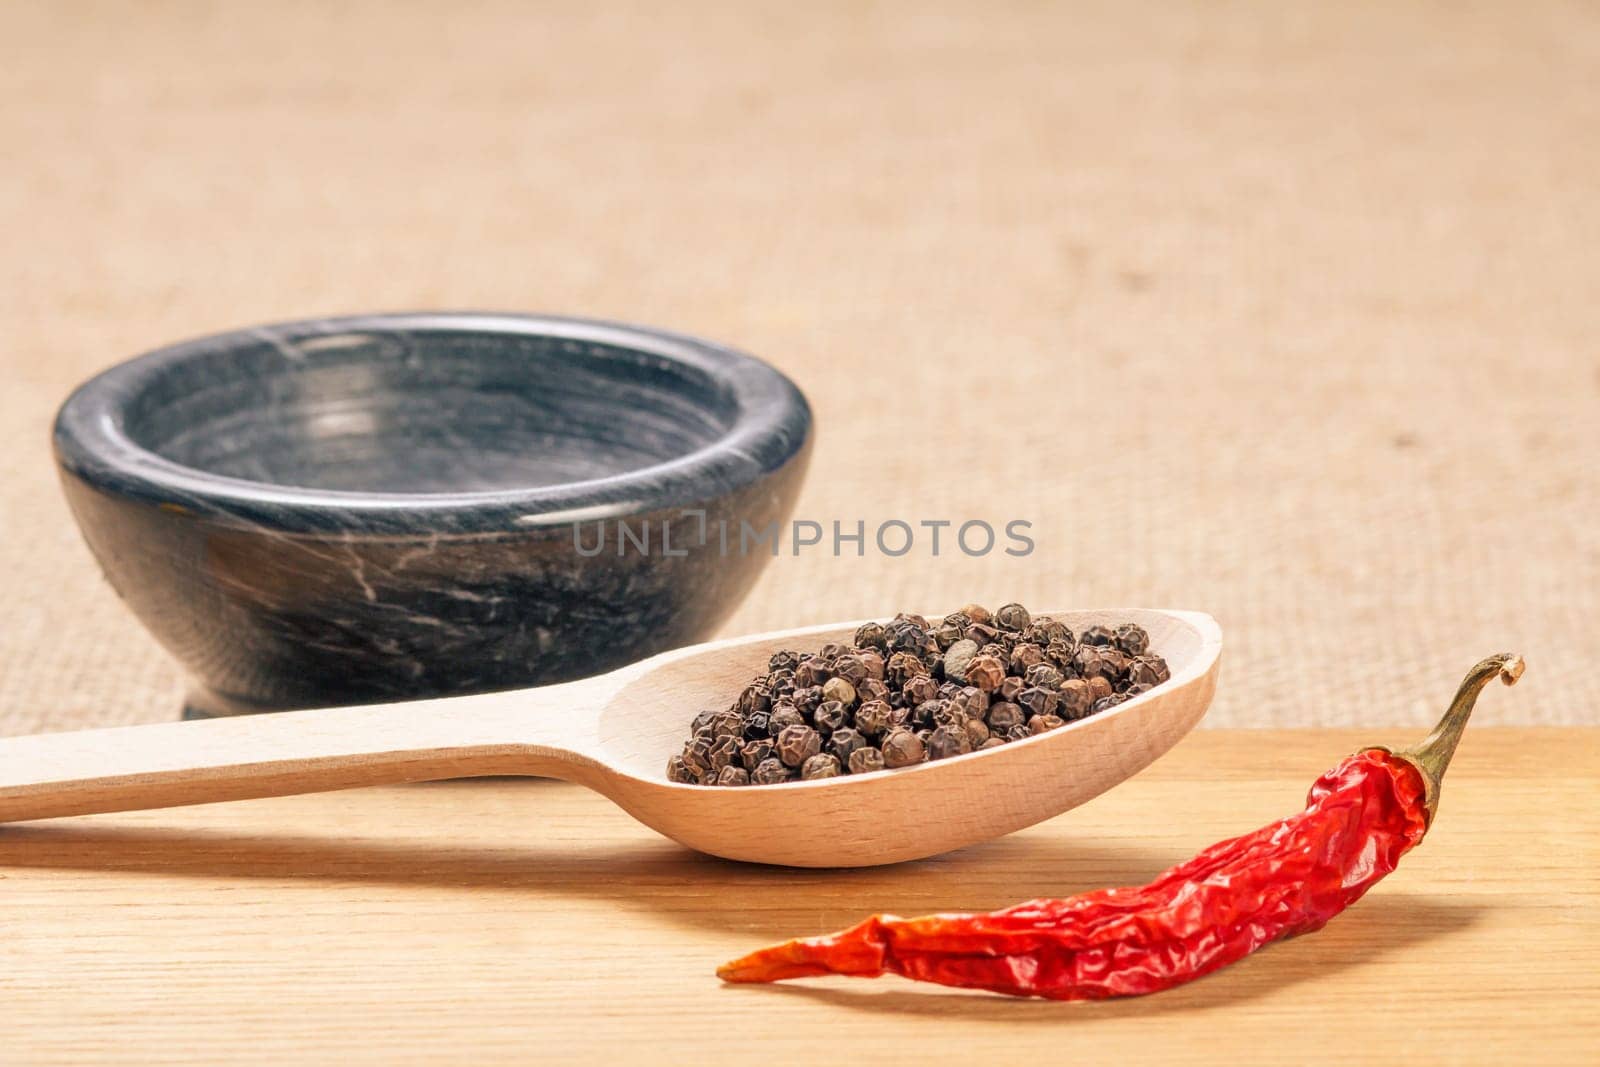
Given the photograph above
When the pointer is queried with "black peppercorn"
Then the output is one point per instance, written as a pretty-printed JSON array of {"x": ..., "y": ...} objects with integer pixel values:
[
  {"x": 1106, "y": 703},
  {"x": 921, "y": 716},
  {"x": 993, "y": 742},
  {"x": 844, "y": 741},
  {"x": 939, "y": 713},
  {"x": 902, "y": 748},
  {"x": 977, "y": 613},
  {"x": 1019, "y": 732},
  {"x": 873, "y": 663},
  {"x": 849, "y": 669},
  {"x": 678, "y": 771},
  {"x": 753, "y": 753},
  {"x": 731, "y": 775},
  {"x": 796, "y": 744},
  {"x": 1099, "y": 636},
  {"x": 784, "y": 660},
  {"x": 1046, "y": 631},
  {"x": 919, "y": 689},
  {"x": 1003, "y": 715},
  {"x": 905, "y": 636},
  {"x": 1136, "y": 689},
  {"x": 865, "y": 761},
  {"x": 1038, "y": 724},
  {"x": 830, "y": 716},
  {"x": 757, "y": 724},
  {"x": 724, "y": 750},
  {"x": 902, "y": 666},
  {"x": 977, "y": 731},
  {"x": 872, "y": 635},
  {"x": 948, "y": 741},
  {"x": 872, "y": 689},
  {"x": 1044, "y": 675},
  {"x": 985, "y": 672},
  {"x": 770, "y": 772},
  {"x": 948, "y": 632},
  {"x": 1098, "y": 661},
  {"x": 981, "y": 634},
  {"x": 831, "y": 651},
  {"x": 1010, "y": 689},
  {"x": 970, "y": 701},
  {"x": 812, "y": 671},
  {"x": 725, "y": 724},
  {"x": 697, "y": 756},
  {"x": 1119, "y": 661},
  {"x": 1148, "y": 669},
  {"x": 837, "y": 689},
  {"x": 806, "y": 698},
  {"x": 1099, "y": 688},
  {"x": 873, "y": 718},
  {"x": 702, "y": 721},
  {"x": 1025, "y": 654},
  {"x": 754, "y": 698},
  {"x": 1038, "y": 701},
  {"x": 1132, "y": 639},
  {"x": 1074, "y": 699},
  {"x": 780, "y": 683},
  {"x": 821, "y": 765},
  {"x": 1012, "y": 617},
  {"x": 1060, "y": 653},
  {"x": 782, "y": 717}
]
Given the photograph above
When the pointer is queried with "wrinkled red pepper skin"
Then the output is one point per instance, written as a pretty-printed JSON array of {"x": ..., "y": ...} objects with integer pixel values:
[{"x": 1287, "y": 878}]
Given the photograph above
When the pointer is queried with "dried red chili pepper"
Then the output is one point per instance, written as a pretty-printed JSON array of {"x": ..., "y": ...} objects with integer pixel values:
[{"x": 1287, "y": 878}]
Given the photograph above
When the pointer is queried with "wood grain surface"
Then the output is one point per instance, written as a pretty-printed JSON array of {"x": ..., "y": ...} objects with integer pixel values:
[{"x": 529, "y": 921}]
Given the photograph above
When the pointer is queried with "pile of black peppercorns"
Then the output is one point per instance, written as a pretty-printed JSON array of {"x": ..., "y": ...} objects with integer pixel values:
[{"x": 910, "y": 692}]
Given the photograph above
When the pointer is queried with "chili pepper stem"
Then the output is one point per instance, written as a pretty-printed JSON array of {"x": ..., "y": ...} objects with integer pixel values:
[{"x": 1433, "y": 755}]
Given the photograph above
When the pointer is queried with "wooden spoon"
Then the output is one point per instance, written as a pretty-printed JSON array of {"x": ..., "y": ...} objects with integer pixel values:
[{"x": 613, "y": 733}]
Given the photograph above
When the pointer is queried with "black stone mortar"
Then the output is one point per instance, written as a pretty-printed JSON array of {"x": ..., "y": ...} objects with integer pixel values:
[{"x": 383, "y": 507}]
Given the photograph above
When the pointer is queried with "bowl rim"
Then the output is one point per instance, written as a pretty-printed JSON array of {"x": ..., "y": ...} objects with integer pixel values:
[{"x": 771, "y": 425}]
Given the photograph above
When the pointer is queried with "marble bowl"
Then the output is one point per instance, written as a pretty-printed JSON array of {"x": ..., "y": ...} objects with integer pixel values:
[{"x": 386, "y": 507}]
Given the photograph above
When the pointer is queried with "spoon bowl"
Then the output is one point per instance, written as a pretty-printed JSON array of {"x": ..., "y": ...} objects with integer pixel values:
[{"x": 614, "y": 733}]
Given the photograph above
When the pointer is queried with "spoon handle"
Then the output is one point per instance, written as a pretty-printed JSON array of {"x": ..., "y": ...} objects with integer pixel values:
[{"x": 48, "y": 775}]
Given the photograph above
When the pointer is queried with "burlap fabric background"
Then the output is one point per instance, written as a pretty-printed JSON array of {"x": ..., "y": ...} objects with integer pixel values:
[{"x": 1288, "y": 314}]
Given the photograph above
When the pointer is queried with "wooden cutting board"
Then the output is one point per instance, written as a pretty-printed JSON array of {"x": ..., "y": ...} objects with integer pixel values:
[{"x": 528, "y": 921}]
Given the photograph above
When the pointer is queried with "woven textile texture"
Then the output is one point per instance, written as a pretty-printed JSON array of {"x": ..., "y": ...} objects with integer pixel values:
[{"x": 1283, "y": 312}]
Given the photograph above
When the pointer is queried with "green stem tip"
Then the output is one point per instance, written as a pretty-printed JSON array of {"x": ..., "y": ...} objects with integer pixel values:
[{"x": 1433, "y": 755}]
